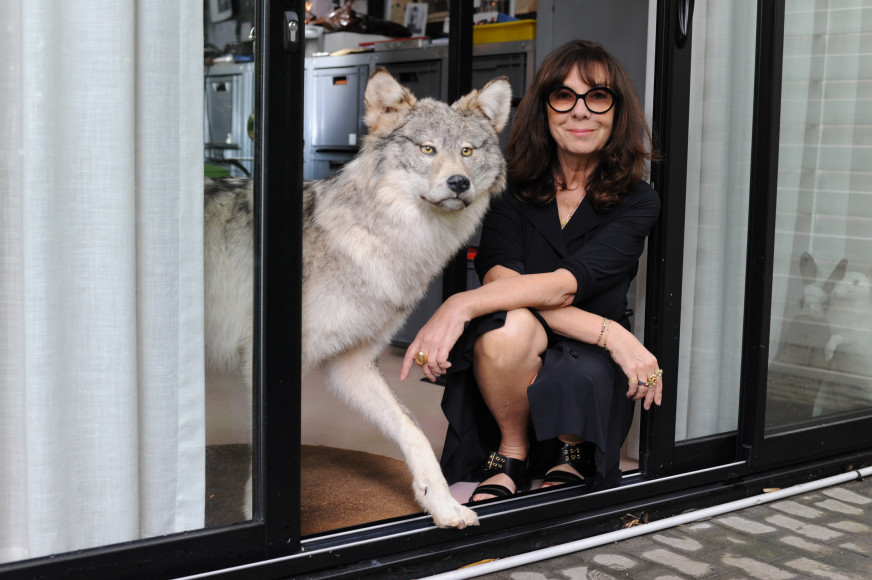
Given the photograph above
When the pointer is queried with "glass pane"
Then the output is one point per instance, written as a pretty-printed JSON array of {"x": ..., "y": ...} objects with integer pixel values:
[
  {"x": 718, "y": 169},
  {"x": 228, "y": 137},
  {"x": 821, "y": 327},
  {"x": 107, "y": 429}
]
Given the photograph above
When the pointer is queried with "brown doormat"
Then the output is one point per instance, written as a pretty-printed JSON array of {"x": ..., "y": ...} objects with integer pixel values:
[{"x": 342, "y": 488}]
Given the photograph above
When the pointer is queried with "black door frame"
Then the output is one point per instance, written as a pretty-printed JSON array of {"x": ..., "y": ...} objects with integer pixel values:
[
  {"x": 660, "y": 454},
  {"x": 665, "y": 249}
]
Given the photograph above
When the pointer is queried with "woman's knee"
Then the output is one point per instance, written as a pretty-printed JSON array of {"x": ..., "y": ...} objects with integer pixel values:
[{"x": 522, "y": 337}]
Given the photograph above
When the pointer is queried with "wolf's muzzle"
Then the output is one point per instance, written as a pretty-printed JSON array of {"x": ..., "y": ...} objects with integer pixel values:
[{"x": 458, "y": 184}]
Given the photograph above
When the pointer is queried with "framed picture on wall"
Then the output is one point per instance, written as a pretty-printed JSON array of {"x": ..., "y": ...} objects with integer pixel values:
[
  {"x": 416, "y": 18},
  {"x": 220, "y": 10}
]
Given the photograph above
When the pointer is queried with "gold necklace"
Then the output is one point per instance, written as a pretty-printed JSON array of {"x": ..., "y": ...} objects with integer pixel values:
[{"x": 565, "y": 220}]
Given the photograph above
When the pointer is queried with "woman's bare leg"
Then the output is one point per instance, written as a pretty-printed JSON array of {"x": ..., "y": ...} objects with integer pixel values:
[{"x": 506, "y": 361}]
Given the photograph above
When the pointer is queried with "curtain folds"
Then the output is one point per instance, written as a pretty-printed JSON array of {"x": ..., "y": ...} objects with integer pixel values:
[
  {"x": 101, "y": 338},
  {"x": 716, "y": 217}
]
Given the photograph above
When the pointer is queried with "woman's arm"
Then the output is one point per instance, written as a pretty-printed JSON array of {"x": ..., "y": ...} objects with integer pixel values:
[
  {"x": 631, "y": 355},
  {"x": 613, "y": 251},
  {"x": 504, "y": 289}
]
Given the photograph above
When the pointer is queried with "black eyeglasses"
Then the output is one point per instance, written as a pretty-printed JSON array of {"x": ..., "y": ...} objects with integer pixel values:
[{"x": 598, "y": 100}]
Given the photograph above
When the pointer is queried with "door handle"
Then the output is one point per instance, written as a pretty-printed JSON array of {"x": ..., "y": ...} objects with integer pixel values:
[
  {"x": 684, "y": 8},
  {"x": 292, "y": 31}
]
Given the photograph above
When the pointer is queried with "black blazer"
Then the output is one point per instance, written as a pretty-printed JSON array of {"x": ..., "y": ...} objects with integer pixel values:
[{"x": 600, "y": 249}]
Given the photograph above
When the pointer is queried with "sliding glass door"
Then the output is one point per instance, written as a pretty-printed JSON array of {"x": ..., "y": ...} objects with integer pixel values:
[
  {"x": 704, "y": 127},
  {"x": 761, "y": 286},
  {"x": 119, "y": 455},
  {"x": 818, "y": 370}
]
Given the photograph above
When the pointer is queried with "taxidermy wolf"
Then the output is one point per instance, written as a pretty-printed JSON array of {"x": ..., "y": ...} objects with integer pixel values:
[{"x": 374, "y": 236}]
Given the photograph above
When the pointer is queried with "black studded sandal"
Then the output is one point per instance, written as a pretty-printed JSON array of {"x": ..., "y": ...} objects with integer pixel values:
[
  {"x": 579, "y": 457},
  {"x": 516, "y": 469}
]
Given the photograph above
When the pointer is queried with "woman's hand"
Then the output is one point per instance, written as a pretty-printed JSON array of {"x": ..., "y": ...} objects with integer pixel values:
[
  {"x": 503, "y": 289},
  {"x": 635, "y": 360},
  {"x": 640, "y": 366},
  {"x": 437, "y": 337}
]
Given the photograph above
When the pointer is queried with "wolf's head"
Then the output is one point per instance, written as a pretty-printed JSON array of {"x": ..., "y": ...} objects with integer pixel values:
[{"x": 445, "y": 157}]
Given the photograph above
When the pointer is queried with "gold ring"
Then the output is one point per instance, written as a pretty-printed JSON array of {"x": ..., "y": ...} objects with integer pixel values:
[
  {"x": 653, "y": 378},
  {"x": 633, "y": 381},
  {"x": 421, "y": 359}
]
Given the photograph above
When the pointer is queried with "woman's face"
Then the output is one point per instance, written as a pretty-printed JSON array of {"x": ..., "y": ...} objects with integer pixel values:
[{"x": 580, "y": 135}]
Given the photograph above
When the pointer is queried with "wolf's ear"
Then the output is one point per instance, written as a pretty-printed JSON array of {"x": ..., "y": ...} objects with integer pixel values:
[
  {"x": 385, "y": 100},
  {"x": 494, "y": 101}
]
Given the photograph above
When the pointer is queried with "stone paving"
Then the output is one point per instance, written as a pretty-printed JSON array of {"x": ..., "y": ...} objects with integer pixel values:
[{"x": 819, "y": 534}]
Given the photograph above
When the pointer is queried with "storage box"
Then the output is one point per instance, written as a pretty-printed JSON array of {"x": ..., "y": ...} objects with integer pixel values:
[
  {"x": 504, "y": 32},
  {"x": 334, "y": 41},
  {"x": 396, "y": 43}
]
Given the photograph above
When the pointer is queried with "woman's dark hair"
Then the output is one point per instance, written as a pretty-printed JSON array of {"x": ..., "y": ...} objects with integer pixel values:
[{"x": 621, "y": 161}]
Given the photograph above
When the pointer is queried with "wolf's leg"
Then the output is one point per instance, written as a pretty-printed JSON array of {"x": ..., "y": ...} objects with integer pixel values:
[
  {"x": 247, "y": 370},
  {"x": 355, "y": 377}
]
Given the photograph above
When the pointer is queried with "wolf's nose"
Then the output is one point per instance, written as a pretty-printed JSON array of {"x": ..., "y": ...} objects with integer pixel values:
[{"x": 458, "y": 183}]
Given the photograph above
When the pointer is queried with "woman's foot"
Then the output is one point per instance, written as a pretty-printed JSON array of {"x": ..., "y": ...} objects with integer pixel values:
[
  {"x": 574, "y": 463},
  {"x": 561, "y": 474},
  {"x": 505, "y": 476}
]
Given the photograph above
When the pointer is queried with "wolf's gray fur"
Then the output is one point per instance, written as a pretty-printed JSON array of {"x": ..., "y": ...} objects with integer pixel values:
[{"x": 374, "y": 236}]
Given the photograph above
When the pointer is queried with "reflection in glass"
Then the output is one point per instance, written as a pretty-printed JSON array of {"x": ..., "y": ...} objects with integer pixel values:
[
  {"x": 821, "y": 326},
  {"x": 228, "y": 146}
]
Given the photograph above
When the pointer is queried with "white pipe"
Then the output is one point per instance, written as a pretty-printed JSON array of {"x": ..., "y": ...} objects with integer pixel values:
[{"x": 632, "y": 532}]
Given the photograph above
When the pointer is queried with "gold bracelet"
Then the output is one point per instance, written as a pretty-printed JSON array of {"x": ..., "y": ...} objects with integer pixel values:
[{"x": 605, "y": 326}]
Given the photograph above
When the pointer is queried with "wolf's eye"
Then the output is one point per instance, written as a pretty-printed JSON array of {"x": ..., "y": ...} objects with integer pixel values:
[
  {"x": 428, "y": 149},
  {"x": 466, "y": 151}
]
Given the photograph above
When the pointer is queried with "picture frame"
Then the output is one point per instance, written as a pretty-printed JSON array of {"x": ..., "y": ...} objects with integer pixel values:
[
  {"x": 416, "y": 18},
  {"x": 220, "y": 10}
]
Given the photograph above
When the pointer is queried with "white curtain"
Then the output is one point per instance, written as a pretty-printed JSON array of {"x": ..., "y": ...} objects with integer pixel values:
[
  {"x": 101, "y": 324},
  {"x": 719, "y": 156}
]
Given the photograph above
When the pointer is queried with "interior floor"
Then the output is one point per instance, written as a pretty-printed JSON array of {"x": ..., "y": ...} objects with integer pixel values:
[{"x": 327, "y": 422}]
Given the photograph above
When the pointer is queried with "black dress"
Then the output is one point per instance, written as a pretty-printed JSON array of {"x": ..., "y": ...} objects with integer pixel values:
[{"x": 579, "y": 389}]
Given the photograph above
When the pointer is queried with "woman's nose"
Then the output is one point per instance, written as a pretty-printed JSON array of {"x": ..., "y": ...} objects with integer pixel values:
[{"x": 580, "y": 109}]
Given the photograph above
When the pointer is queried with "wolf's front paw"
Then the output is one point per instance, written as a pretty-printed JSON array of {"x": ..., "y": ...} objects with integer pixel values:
[
  {"x": 432, "y": 492},
  {"x": 454, "y": 516}
]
